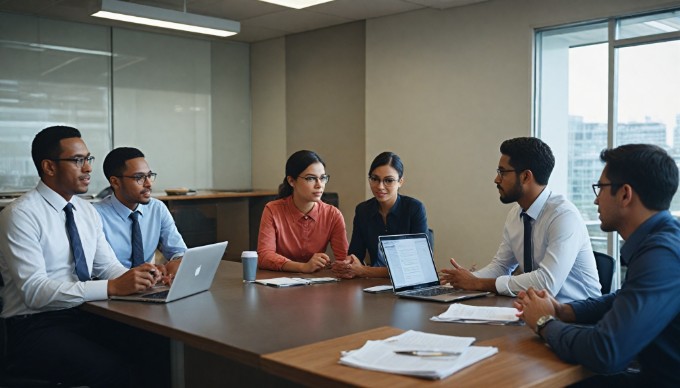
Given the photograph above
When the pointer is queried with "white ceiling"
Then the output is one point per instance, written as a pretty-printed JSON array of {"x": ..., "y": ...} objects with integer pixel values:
[{"x": 259, "y": 20}]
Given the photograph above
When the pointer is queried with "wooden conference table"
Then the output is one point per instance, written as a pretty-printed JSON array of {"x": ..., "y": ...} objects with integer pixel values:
[{"x": 254, "y": 335}]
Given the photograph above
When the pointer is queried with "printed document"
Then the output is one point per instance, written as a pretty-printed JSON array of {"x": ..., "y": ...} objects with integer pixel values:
[
  {"x": 432, "y": 356},
  {"x": 463, "y": 313}
]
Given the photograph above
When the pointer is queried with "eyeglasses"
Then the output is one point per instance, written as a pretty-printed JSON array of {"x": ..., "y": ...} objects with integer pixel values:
[
  {"x": 140, "y": 178},
  {"x": 388, "y": 182},
  {"x": 79, "y": 160},
  {"x": 311, "y": 179},
  {"x": 500, "y": 172},
  {"x": 597, "y": 187}
]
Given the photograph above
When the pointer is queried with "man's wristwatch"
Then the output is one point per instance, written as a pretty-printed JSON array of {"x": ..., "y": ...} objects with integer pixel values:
[{"x": 541, "y": 322}]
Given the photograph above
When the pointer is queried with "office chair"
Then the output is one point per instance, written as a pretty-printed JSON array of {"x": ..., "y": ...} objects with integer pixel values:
[{"x": 605, "y": 270}]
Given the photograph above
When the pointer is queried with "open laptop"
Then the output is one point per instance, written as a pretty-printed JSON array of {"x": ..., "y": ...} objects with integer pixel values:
[
  {"x": 411, "y": 266},
  {"x": 195, "y": 274}
]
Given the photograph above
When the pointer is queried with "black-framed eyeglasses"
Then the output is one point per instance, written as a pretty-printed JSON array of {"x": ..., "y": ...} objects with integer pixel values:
[
  {"x": 311, "y": 178},
  {"x": 140, "y": 178},
  {"x": 78, "y": 160},
  {"x": 387, "y": 182},
  {"x": 500, "y": 172},
  {"x": 597, "y": 187}
]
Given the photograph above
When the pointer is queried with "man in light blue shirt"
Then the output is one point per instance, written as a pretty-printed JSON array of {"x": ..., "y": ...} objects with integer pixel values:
[
  {"x": 131, "y": 180},
  {"x": 544, "y": 233}
]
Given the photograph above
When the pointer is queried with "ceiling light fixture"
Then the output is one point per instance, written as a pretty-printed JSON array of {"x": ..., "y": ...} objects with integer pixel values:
[
  {"x": 165, "y": 18},
  {"x": 297, "y": 4}
]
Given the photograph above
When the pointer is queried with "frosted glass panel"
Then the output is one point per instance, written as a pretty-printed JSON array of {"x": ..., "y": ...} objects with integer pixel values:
[
  {"x": 161, "y": 103},
  {"x": 51, "y": 73}
]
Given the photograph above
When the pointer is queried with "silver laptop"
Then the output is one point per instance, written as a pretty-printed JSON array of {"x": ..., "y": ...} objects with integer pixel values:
[
  {"x": 411, "y": 266},
  {"x": 195, "y": 274}
]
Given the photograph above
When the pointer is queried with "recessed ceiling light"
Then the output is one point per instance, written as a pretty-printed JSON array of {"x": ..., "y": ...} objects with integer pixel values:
[{"x": 297, "y": 4}]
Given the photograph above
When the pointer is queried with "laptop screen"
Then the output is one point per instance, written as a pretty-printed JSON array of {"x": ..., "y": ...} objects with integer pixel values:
[{"x": 410, "y": 261}]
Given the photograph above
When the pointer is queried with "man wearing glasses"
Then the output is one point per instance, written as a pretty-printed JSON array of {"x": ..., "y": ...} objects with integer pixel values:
[
  {"x": 641, "y": 320},
  {"x": 51, "y": 247},
  {"x": 135, "y": 224},
  {"x": 544, "y": 234}
]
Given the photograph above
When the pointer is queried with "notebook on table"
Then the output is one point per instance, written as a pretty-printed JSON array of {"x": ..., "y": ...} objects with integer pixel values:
[
  {"x": 195, "y": 274},
  {"x": 412, "y": 270}
]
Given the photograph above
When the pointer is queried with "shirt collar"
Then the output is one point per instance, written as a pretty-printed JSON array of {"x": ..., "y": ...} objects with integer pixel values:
[
  {"x": 313, "y": 214},
  {"x": 635, "y": 239},
  {"x": 122, "y": 210},
  {"x": 535, "y": 209},
  {"x": 52, "y": 197},
  {"x": 375, "y": 206}
]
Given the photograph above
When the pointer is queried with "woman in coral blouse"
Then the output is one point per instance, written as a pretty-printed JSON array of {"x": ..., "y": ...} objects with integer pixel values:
[
  {"x": 296, "y": 228},
  {"x": 388, "y": 212}
]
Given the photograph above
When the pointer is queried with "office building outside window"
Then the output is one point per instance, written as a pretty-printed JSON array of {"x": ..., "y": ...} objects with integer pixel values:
[{"x": 603, "y": 84}]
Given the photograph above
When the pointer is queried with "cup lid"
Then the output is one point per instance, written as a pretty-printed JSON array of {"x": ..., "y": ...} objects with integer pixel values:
[{"x": 249, "y": 254}]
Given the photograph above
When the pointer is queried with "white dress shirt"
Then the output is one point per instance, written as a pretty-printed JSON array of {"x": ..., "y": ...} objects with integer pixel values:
[
  {"x": 36, "y": 262},
  {"x": 563, "y": 258}
]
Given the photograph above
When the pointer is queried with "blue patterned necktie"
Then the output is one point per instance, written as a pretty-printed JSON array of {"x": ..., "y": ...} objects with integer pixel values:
[
  {"x": 76, "y": 245},
  {"x": 137, "y": 257},
  {"x": 528, "y": 248}
]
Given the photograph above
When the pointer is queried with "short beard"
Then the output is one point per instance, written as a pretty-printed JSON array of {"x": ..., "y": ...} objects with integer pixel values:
[{"x": 514, "y": 195}]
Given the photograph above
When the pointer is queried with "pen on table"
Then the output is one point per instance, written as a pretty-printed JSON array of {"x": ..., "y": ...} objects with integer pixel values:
[{"x": 427, "y": 353}]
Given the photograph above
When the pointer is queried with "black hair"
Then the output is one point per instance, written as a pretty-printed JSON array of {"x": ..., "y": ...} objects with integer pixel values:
[
  {"x": 647, "y": 168},
  {"x": 114, "y": 163},
  {"x": 46, "y": 144},
  {"x": 296, "y": 164},
  {"x": 388, "y": 158},
  {"x": 530, "y": 153}
]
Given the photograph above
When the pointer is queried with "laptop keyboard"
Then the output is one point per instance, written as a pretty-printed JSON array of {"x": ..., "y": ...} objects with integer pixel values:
[
  {"x": 158, "y": 295},
  {"x": 431, "y": 291}
]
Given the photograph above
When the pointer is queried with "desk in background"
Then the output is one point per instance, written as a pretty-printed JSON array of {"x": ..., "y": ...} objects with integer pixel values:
[{"x": 228, "y": 331}]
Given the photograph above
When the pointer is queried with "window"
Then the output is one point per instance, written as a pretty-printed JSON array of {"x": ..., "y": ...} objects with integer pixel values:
[{"x": 603, "y": 84}]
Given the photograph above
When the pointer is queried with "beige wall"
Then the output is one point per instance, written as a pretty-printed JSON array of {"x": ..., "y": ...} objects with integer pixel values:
[
  {"x": 443, "y": 89},
  {"x": 325, "y": 102},
  {"x": 308, "y": 93},
  {"x": 268, "y": 88}
]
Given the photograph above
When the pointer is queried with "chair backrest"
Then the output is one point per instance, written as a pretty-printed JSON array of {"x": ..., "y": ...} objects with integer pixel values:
[{"x": 605, "y": 270}]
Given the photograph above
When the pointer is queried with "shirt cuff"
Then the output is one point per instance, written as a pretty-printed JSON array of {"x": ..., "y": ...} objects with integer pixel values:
[
  {"x": 503, "y": 286},
  {"x": 96, "y": 290}
]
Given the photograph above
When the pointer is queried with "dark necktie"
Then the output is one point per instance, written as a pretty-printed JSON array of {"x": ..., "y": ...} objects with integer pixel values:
[
  {"x": 528, "y": 251},
  {"x": 137, "y": 257},
  {"x": 76, "y": 245}
]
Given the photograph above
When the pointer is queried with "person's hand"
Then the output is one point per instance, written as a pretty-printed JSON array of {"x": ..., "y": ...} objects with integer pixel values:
[
  {"x": 171, "y": 267},
  {"x": 534, "y": 304},
  {"x": 348, "y": 268},
  {"x": 317, "y": 262},
  {"x": 458, "y": 277},
  {"x": 137, "y": 279}
]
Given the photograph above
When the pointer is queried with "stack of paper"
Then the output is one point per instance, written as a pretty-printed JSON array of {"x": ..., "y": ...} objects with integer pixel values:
[
  {"x": 463, "y": 313},
  {"x": 430, "y": 356},
  {"x": 290, "y": 282}
]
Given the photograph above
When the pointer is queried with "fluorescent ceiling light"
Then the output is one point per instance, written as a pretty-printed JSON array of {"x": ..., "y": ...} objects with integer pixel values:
[
  {"x": 165, "y": 18},
  {"x": 297, "y": 4}
]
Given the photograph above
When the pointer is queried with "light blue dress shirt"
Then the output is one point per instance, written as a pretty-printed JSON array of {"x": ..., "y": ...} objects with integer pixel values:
[
  {"x": 563, "y": 257},
  {"x": 157, "y": 225},
  {"x": 35, "y": 254}
]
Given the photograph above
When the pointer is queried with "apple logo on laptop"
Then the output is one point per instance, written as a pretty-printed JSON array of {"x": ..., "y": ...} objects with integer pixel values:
[{"x": 198, "y": 270}]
